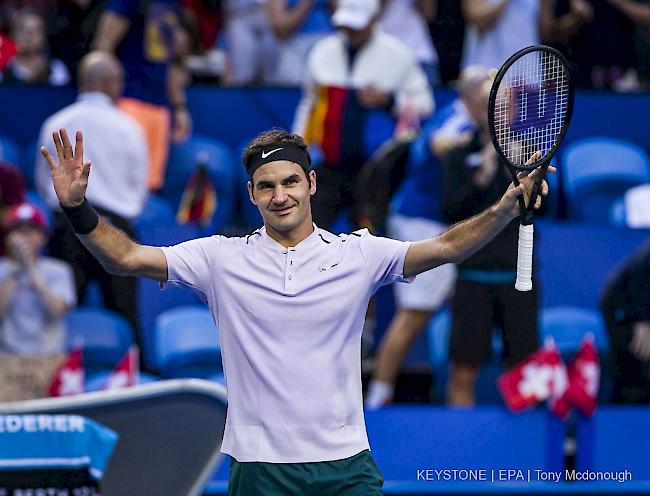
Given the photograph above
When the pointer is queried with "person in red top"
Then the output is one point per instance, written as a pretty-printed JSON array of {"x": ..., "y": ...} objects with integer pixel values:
[{"x": 12, "y": 192}]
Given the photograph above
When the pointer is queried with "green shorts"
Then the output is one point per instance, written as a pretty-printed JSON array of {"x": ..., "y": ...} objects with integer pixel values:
[{"x": 354, "y": 476}]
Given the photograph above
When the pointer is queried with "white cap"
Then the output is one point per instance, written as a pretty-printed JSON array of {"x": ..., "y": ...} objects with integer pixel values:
[{"x": 355, "y": 14}]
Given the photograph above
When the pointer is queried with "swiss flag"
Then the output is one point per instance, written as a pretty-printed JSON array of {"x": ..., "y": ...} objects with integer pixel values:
[
  {"x": 559, "y": 402},
  {"x": 126, "y": 372},
  {"x": 584, "y": 377},
  {"x": 533, "y": 380},
  {"x": 69, "y": 377}
]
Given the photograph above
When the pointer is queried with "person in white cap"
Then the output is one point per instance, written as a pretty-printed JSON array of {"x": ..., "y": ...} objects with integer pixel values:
[
  {"x": 289, "y": 301},
  {"x": 35, "y": 291},
  {"x": 351, "y": 73}
]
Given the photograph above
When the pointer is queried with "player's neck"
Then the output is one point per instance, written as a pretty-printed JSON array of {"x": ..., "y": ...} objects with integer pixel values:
[{"x": 293, "y": 236}]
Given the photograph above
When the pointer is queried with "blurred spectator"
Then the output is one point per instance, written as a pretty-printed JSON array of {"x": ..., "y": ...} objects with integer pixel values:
[
  {"x": 407, "y": 20},
  {"x": 625, "y": 304},
  {"x": 456, "y": 124},
  {"x": 119, "y": 187},
  {"x": 72, "y": 27},
  {"x": 496, "y": 29},
  {"x": 35, "y": 291},
  {"x": 349, "y": 74},
  {"x": 203, "y": 21},
  {"x": 251, "y": 47},
  {"x": 32, "y": 64},
  {"x": 447, "y": 32},
  {"x": 150, "y": 40},
  {"x": 298, "y": 25},
  {"x": 485, "y": 296},
  {"x": 206, "y": 16},
  {"x": 7, "y": 50},
  {"x": 12, "y": 193},
  {"x": 602, "y": 51},
  {"x": 416, "y": 214},
  {"x": 638, "y": 12},
  {"x": 8, "y": 8}
]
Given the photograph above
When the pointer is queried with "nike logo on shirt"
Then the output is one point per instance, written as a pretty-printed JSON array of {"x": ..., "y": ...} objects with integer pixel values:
[{"x": 266, "y": 154}]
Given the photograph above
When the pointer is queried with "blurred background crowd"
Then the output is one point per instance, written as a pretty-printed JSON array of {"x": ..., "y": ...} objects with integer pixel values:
[{"x": 391, "y": 156}]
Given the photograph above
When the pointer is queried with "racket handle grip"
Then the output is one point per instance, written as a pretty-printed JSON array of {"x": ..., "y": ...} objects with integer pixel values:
[{"x": 525, "y": 259}]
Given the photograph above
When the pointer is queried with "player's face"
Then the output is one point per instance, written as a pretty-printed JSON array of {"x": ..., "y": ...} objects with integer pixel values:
[{"x": 282, "y": 192}]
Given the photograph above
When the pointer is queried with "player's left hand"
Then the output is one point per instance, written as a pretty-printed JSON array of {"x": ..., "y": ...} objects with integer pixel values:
[{"x": 526, "y": 184}]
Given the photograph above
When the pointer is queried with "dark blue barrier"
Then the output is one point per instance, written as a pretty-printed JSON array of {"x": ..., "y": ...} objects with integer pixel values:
[
  {"x": 574, "y": 260},
  {"x": 615, "y": 439},
  {"x": 434, "y": 450},
  {"x": 233, "y": 115}
]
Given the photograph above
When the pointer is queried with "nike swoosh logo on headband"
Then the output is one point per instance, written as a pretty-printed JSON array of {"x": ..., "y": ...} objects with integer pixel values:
[{"x": 266, "y": 154}]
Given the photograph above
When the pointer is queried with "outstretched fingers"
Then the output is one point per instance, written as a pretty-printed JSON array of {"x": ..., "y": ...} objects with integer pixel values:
[
  {"x": 85, "y": 172},
  {"x": 534, "y": 157},
  {"x": 58, "y": 144},
  {"x": 79, "y": 148},
  {"x": 48, "y": 158},
  {"x": 67, "y": 146}
]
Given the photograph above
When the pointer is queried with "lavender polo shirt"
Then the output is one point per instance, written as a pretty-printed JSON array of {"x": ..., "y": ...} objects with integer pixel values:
[{"x": 290, "y": 322}]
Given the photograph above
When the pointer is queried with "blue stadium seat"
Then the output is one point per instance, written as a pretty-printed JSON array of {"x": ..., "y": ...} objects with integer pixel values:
[
  {"x": 183, "y": 160},
  {"x": 156, "y": 212},
  {"x": 104, "y": 335},
  {"x": 617, "y": 213},
  {"x": 151, "y": 300},
  {"x": 404, "y": 439},
  {"x": 596, "y": 171},
  {"x": 9, "y": 152},
  {"x": 568, "y": 325},
  {"x": 616, "y": 439},
  {"x": 186, "y": 343}
]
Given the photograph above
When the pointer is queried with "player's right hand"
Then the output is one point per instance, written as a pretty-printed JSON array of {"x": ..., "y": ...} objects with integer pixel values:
[{"x": 70, "y": 174}]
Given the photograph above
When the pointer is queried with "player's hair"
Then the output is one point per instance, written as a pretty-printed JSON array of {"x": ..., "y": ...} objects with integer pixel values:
[{"x": 275, "y": 136}]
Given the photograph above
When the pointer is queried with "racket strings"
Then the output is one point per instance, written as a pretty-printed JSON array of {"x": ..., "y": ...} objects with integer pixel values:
[{"x": 531, "y": 106}]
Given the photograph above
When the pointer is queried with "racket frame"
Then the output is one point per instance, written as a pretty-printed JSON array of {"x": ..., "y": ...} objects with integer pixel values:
[{"x": 526, "y": 229}]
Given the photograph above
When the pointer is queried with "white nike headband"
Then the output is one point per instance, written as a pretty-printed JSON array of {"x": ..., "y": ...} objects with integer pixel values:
[{"x": 276, "y": 152}]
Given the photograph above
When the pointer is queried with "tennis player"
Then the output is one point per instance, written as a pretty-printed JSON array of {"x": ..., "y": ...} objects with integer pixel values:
[{"x": 289, "y": 301}]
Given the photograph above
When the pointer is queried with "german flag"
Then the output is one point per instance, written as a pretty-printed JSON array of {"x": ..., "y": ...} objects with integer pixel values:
[
  {"x": 199, "y": 201},
  {"x": 325, "y": 125}
]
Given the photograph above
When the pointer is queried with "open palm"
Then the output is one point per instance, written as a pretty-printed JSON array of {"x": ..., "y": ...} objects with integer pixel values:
[{"x": 70, "y": 174}]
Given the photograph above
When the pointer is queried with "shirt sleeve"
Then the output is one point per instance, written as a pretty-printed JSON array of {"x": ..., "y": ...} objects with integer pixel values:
[
  {"x": 191, "y": 263},
  {"x": 384, "y": 258}
]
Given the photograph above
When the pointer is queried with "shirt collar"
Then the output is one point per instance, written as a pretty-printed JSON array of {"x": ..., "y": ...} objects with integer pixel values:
[
  {"x": 95, "y": 97},
  {"x": 308, "y": 243}
]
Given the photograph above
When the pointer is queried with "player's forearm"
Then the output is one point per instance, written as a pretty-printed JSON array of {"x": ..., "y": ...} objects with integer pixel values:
[
  {"x": 467, "y": 237},
  {"x": 458, "y": 243},
  {"x": 111, "y": 247}
]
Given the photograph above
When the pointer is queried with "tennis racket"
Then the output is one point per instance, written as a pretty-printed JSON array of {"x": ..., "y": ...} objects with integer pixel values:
[{"x": 529, "y": 110}]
